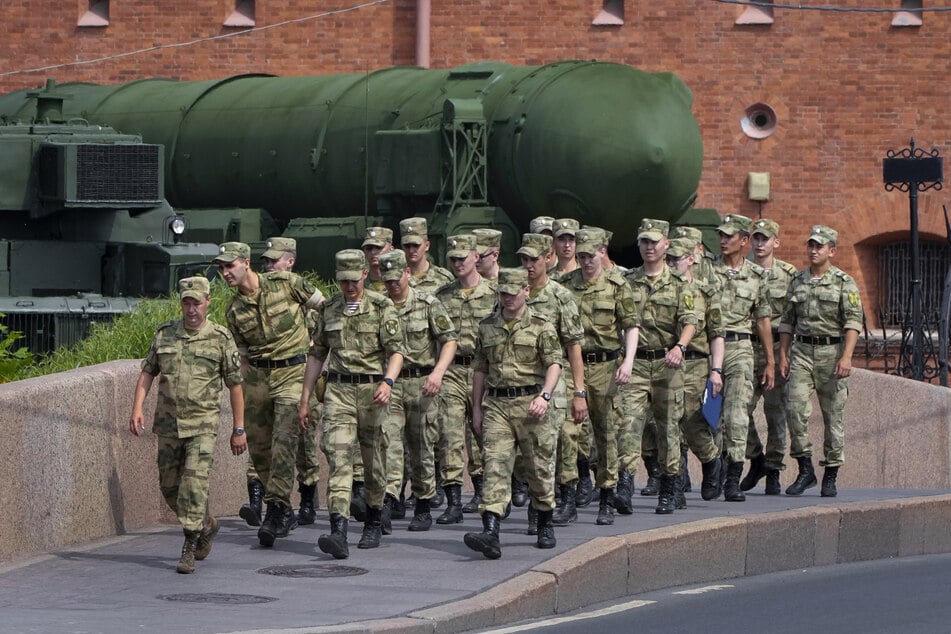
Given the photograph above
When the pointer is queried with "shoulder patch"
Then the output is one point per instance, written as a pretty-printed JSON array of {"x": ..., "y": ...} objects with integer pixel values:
[
  {"x": 442, "y": 322},
  {"x": 391, "y": 326},
  {"x": 628, "y": 305},
  {"x": 688, "y": 300},
  {"x": 853, "y": 299}
]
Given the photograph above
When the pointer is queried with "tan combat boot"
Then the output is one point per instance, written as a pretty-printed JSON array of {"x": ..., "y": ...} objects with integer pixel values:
[
  {"x": 205, "y": 537},
  {"x": 186, "y": 565}
]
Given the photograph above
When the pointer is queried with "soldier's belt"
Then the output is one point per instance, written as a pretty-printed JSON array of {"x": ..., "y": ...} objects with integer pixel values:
[
  {"x": 599, "y": 357},
  {"x": 334, "y": 377},
  {"x": 415, "y": 373},
  {"x": 463, "y": 359},
  {"x": 272, "y": 364},
  {"x": 514, "y": 392},
  {"x": 755, "y": 337},
  {"x": 651, "y": 354},
  {"x": 826, "y": 340},
  {"x": 736, "y": 336},
  {"x": 694, "y": 354}
]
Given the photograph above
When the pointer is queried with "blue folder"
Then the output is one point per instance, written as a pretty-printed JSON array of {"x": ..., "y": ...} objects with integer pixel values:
[{"x": 712, "y": 406}]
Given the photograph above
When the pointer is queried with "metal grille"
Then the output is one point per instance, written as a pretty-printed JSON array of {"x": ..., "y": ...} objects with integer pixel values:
[
  {"x": 49, "y": 323},
  {"x": 117, "y": 172},
  {"x": 895, "y": 280}
]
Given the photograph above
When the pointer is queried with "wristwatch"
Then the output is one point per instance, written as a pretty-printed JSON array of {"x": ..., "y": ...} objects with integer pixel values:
[
  {"x": 581, "y": 394},
  {"x": 388, "y": 381},
  {"x": 717, "y": 370},
  {"x": 546, "y": 396},
  {"x": 682, "y": 347},
  {"x": 238, "y": 432}
]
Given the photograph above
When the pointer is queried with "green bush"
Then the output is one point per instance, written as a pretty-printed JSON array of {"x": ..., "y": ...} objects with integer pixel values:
[{"x": 13, "y": 358}]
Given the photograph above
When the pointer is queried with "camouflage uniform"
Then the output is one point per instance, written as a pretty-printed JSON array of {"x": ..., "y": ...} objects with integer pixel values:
[{"x": 414, "y": 231}]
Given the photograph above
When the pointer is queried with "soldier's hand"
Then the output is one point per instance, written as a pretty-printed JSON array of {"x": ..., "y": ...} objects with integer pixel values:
[
  {"x": 239, "y": 444},
  {"x": 538, "y": 407},
  {"x": 137, "y": 423},
  {"x": 382, "y": 394},
  {"x": 716, "y": 380},
  {"x": 477, "y": 421},
  {"x": 784, "y": 366},
  {"x": 579, "y": 409},
  {"x": 769, "y": 377},
  {"x": 623, "y": 374},
  {"x": 431, "y": 385},
  {"x": 303, "y": 416},
  {"x": 843, "y": 368}
]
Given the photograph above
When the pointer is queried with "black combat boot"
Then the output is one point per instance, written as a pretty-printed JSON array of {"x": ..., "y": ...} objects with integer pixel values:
[
  {"x": 519, "y": 492},
  {"x": 251, "y": 512},
  {"x": 680, "y": 500},
  {"x": 472, "y": 506},
  {"x": 665, "y": 495},
  {"x": 568, "y": 511},
  {"x": 653, "y": 476},
  {"x": 486, "y": 542},
  {"x": 269, "y": 527},
  {"x": 828, "y": 489},
  {"x": 335, "y": 544},
  {"x": 710, "y": 488},
  {"x": 806, "y": 478},
  {"x": 186, "y": 565},
  {"x": 399, "y": 505},
  {"x": 386, "y": 514},
  {"x": 606, "y": 508},
  {"x": 772, "y": 482},
  {"x": 358, "y": 501},
  {"x": 755, "y": 474},
  {"x": 532, "y": 520},
  {"x": 308, "y": 504},
  {"x": 439, "y": 498},
  {"x": 422, "y": 520},
  {"x": 546, "y": 530},
  {"x": 371, "y": 529},
  {"x": 684, "y": 471},
  {"x": 624, "y": 493},
  {"x": 731, "y": 488},
  {"x": 585, "y": 489},
  {"x": 453, "y": 512}
]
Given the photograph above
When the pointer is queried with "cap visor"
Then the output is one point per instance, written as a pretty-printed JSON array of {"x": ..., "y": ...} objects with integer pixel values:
[
  {"x": 509, "y": 289},
  {"x": 653, "y": 236},
  {"x": 457, "y": 254},
  {"x": 412, "y": 240},
  {"x": 349, "y": 276},
  {"x": 727, "y": 230},
  {"x": 530, "y": 252},
  {"x": 272, "y": 254}
]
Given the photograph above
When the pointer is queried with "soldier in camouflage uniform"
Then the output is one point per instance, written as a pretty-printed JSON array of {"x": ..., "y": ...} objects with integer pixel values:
[
  {"x": 359, "y": 340},
  {"x": 821, "y": 324},
  {"x": 516, "y": 365},
  {"x": 426, "y": 276},
  {"x": 743, "y": 302},
  {"x": 768, "y": 463},
  {"x": 430, "y": 350},
  {"x": 563, "y": 236},
  {"x": 468, "y": 300},
  {"x": 376, "y": 242},
  {"x": 667, "y": 312},
  {"x": 488, "y": 250},
  {"x": 609, "y": 319},
  {"x": 702, "y": 269},
  {"x": 545, "y": 226},
  {"x": 267, "y": 318},
  {"x": 193, "y": 356}
]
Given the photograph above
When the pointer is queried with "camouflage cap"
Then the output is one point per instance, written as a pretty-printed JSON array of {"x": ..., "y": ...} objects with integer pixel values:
[
  {"x": 231, "y": 251},
  {"x": 607, "y": 236},
  {"x": 460, "y": 246},
  {"x": 734, "y": 223},
  {"x": 377, "y": 237},
  {"x": 589, "y": 240},
  {"x": 566, "y": 226},
  {"x": 653, "y": 230},
  {"x": 512, "y": 280},
  {"x": 194, "y": 287},
  {"x": 392, "y": 265},
  {"x": 680, "y": 247},
  {"x": 413, "y": 231},
  {"x": 823, "y": 234},
  {"x": 350, "y": 264},
  {"x": 487, "y": 239},
  {"x": 535, "y": 245},
  {"x": 276, "y": 247},
  {"x": 541, "y": 224},
  {"x": 688, "y": 232},
  {"x": 769, "y": 228}
]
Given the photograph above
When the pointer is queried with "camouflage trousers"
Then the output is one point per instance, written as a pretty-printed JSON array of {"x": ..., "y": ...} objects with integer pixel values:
[
  {"x": 812, "y": 369},
  {"x": 184, "y": 466},
  {"x": 413, "y": 418},
  {"x": 271, "y": 399},
  {"x": 455, "y": 416},
  {"x": 307, "y": 462},
  {"x": 507, "y": 427},
  {"x": 695, "y": 428},
  {"x": 556, "y": 415},
  {"x": 655, "y": 390},
  {"x": 601, "y": 388},
  {"x": 351, "y": 419},
  {"x": 738, "y": 382},
  {"x": 774, "y": 409}
]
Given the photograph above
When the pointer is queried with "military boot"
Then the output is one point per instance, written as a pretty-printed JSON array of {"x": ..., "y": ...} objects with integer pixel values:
[
  {"x": 546, "y": 530},
  {"x": 269, "y": 527},
  {"x": 684, "y": 471},
  {"x": 205, "y": 537},
  {"x": 532, "y": 520},
  {"x": 486, "y": 542},
  {"x": 251, "y": 512},
  {"x": 806, "y": 478},
  {"x": 828, "y": 489},
  {"x": 453, "y": 512},
  {"x": 422, "y": 519},
  {"x": 568, "y": 511},
  {"x": 358, "y": 501},
  {"x": 372, "y": 531},
  {"x": 186, "y": 565},
  {"x": 680, "y": 500},
  {"x": 519, "y": 492},
  {"x": 755, "y": 474},
  {"x": 585, "y": 489},
  {"x": 653, "y": 476},
  {"x": 665, "y": 495},
  {"x": 335, "y": 544},
  {"x": 772, "y": 482},
  {"x": 308, "y": 504},
  {"x": 731, "y": 488},
  {"x": 606, "y": 508},
  {"x": 624, "y": 493},
  {"x": 399, "y": 507},
  {"x": 386, "y": 514},
  {"x": 439, "y": 498},
  {"x": 472, "y": 506},
  {"x": 710, "y": 488}
]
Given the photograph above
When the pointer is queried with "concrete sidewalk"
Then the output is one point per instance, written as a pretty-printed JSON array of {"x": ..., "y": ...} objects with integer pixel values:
[{"x": 430, "y": 582}]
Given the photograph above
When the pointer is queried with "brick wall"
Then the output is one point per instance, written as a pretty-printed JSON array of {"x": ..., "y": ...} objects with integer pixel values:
[{"x": 846, "y": 86}]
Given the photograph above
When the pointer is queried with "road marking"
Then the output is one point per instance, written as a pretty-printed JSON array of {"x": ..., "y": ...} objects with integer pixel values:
[
  {"x": 704, "y": 589},
  {"x": 630, "y": 605}
]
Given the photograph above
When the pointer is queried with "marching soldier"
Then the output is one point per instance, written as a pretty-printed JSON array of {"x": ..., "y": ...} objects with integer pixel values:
[
  {"x": 414, "y": 239},
  {"x": 376, "y": 242},
  {"x": 488, "y": 250},
  {"x": 563, "y": 232}
]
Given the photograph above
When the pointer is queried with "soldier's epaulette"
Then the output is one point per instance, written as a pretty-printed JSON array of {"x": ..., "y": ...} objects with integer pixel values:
[
  {"x": 221, "y": 330},
  {"x": 842, "y": 275},
  {"x": 448, "y": 287},
  {"x": 800, "y": 276},
  {"x": 616, "y": 278},
  {"x": 278, "y": 276},
  {"x": 786, "y": 266},
  {"x": 758, "y": 271},
  {"x": 377, "y": 298},
  {"x": 709, "y": 256},
  {"x": 678, "y": 275},
  {"x": 170, "y": 322},
  {"x": 425, "y": 297},
  {"x": 539, "y": 320}
]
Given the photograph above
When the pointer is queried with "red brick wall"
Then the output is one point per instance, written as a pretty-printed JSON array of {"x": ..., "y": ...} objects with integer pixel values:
[{"x": 846, "y": 86}]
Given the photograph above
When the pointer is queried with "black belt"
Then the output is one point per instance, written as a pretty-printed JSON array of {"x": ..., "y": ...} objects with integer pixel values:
[
  {"x": 354, "y": 378},
  {"x": 736, "y": 336},
  {"x": 755, "y": 337},
  {"x": 415, "y": 373},
  {"x": 693, "y": 354},
  {"x": 463, "y": 360},
  {"x": 271, "y": 364},
  {"x": 826, "y": 340},
  {"x": 514, "y": 392},
  {"x": 651, "y": 354},
  {"x": 599, "y": 357}
]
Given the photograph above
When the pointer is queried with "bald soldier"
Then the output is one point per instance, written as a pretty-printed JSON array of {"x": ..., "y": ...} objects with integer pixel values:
[{"x": 425, "y": 276}]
